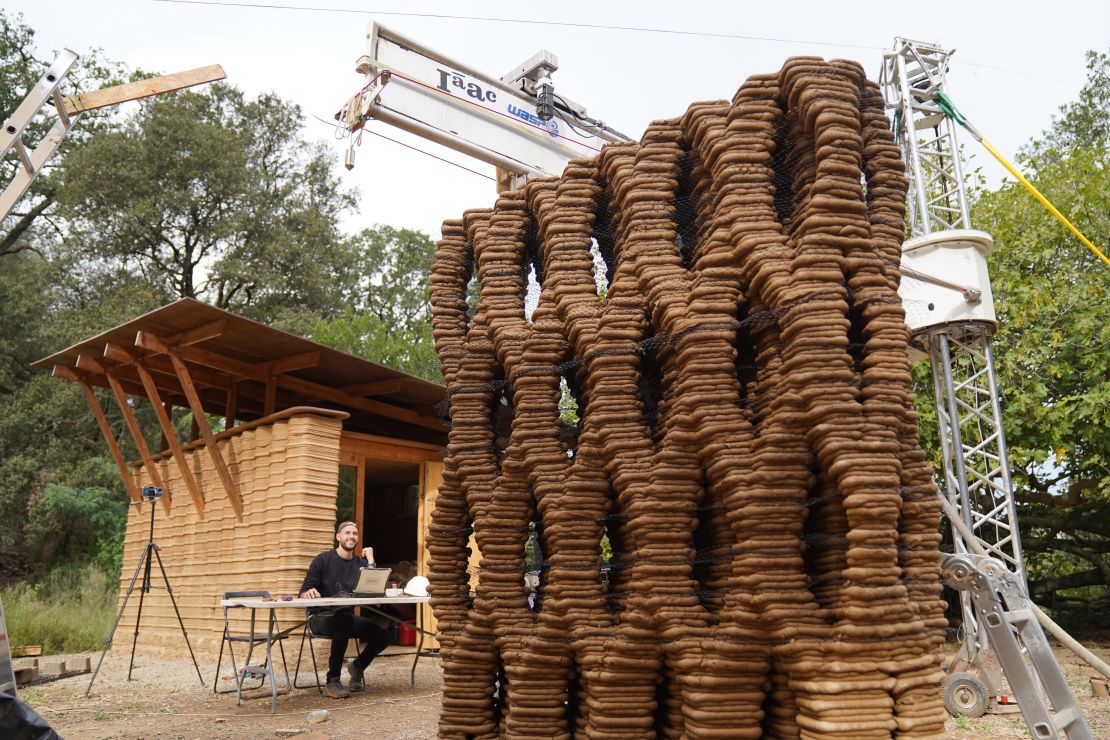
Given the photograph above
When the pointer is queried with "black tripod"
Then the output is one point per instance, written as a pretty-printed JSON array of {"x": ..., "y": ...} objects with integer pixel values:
[{"x": 150, "y": 494}]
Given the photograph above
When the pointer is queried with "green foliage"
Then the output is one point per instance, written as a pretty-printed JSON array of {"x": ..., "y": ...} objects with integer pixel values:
[
  {"x": 1081, "y": 124},
  {"x": 20, "y": 70},
  {"x": 83, "y": 525},
  {"x": 70, "y": 610},
  {"x": 396, "y": 264},
  {"x": 1054, "y": 370},
  {"x": 210, "y": 195},
  {"x": 402, "y": 347},
  {"x": 388, "y": 319}
]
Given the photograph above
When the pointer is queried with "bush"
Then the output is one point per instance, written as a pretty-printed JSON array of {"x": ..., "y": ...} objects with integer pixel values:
[
  {"x": 83, "y": 525},
  {"x": 68, "y": 611}
]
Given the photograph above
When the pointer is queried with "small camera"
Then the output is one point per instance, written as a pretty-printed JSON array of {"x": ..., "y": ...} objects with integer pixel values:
[{"x": 151, "y": 492}]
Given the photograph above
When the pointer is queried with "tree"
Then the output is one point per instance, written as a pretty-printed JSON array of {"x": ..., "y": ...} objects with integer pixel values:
[
  {"x": 1083, "y": 124},
  {"x": 388, "y": 319},
  {"x": 213, "y": 196},
  {"x": 1051, "y": 347},
  {"x": 20, "y": 70}
]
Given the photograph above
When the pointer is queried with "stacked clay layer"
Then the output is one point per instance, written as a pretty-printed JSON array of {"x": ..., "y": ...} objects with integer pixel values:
[{"x": 702, "y": 437}]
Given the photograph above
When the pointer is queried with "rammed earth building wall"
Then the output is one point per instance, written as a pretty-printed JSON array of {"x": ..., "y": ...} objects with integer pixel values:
[{"x": 287, "y": 471}]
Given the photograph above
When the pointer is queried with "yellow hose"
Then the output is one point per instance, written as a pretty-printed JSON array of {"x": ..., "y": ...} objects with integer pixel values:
[{"x": 1044, "y": 201}]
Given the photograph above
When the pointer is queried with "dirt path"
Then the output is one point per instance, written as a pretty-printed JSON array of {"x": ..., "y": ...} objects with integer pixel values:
[{"x": 166, "y": 701}]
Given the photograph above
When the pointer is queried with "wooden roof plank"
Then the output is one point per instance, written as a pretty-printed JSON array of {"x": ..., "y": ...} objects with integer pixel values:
[
  {"x": 171, "y": 437},
  {"x": 140, "y": 441},
  {"x": 294, "y": 362},
  {"x": 164, "y": 368},
  {"x": 66, "y": 373},
  {"x": 201, "y": 421},
  {"x": 202, "y": 333},
  {"x": 387, "y": 410},
  {"x": 148, "y": 341},
  {"x": 374, "y": 387},
  {"x": 250, "y": 344},
  {"x": 90, "y": 363}
]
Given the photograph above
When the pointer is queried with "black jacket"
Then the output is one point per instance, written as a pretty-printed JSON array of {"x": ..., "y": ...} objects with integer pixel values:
[{"x": 331, "y": 575}]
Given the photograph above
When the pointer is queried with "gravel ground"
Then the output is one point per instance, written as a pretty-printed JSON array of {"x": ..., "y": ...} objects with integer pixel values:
[{"x": 165, "y": 700}]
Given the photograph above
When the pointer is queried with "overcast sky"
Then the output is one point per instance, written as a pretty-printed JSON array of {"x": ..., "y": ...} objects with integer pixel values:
[{"x": 1016, "y": 63}]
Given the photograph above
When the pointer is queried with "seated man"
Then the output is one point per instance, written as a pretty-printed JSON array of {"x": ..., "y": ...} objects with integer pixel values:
[{"x": 332, "y": 573}]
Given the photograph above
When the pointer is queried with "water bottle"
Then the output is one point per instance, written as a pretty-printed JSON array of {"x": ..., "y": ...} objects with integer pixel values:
[{"x": 318, "y": 716}]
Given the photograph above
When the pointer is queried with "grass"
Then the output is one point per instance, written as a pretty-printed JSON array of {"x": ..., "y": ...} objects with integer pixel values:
[{"x": 68, "y": 611}]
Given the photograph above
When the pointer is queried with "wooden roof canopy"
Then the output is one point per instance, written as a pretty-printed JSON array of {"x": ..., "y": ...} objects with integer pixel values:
[{"x": 196, "y": 356}]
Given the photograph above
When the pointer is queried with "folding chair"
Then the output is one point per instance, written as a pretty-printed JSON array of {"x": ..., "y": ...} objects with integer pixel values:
[
  {"x": 251, "y": 641},
  {"x": 308, "y": 635}
]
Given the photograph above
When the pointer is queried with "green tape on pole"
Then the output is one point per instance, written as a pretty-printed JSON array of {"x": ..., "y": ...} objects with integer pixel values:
[{"x": 945, "y": 104}]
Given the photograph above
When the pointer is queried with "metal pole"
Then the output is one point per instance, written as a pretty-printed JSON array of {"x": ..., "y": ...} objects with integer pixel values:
[
  {"x": 1004, "y": 467},
  {"x": 958, "y": 174},
  {"x": 952, "y": 444},
  {"x": 953, "y": 414},
  {"x": 909, "y": 137}
]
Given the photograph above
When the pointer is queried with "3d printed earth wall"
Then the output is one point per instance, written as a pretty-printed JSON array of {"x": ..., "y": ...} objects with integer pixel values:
[{"x": 745, "y": 437}]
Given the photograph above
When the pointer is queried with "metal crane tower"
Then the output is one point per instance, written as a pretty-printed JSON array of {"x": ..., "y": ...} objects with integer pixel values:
[
  {"x": 949, "y": 306},
  {"x": 950, "y": 312}
]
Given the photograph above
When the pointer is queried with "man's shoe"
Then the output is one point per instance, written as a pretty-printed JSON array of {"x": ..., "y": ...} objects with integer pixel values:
[
  {"x": 335, "y": 689},
  {"x": 356, "y": 683}
]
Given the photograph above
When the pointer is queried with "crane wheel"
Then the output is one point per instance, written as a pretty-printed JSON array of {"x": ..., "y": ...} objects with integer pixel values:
[{"x": 965, "y": 694}]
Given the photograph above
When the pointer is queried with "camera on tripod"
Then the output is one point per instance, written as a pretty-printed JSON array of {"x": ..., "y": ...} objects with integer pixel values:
[{"x": 151, "y": 492}]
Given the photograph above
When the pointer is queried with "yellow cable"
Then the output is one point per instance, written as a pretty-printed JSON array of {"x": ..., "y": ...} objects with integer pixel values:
[{"x": 1044, "y": 201}]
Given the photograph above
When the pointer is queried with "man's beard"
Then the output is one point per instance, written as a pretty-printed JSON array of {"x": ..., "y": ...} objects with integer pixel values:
[{"x": 348, "y": 548}]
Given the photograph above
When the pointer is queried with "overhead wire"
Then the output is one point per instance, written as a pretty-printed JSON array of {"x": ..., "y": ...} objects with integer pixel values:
[
  {"x": 590, "y": 26},
  {"x": 415, "y": 149},
  {"x": 526, "y": 21}
]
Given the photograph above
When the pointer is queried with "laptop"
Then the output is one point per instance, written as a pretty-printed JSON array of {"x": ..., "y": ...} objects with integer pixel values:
[{"x": 371, "y": 582}]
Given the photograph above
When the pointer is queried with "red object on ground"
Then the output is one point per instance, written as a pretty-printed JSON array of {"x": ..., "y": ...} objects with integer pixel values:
[{"x": 406, "y": 633}]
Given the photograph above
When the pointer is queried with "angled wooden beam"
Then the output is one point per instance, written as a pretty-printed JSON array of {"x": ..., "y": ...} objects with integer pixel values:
[
  {"x": 171, "y": 438},
  {"x": 161, "y": 366},
  {"x": 374, "y": 387},
  {"x": 308, "y": 388},
  {"x": 142, "y": 89},
  {"x": 163, "y": 440},
  {"x": 199, "y": 334},
  {"x": 61, "y": 371},
  {"x": 140, "y": 441},
  {"x": 148, "y": 341},
  {"x": 201, "y": 421},
  {"x": 381, "y": 408},
  {"x": 293, "y": 362}
]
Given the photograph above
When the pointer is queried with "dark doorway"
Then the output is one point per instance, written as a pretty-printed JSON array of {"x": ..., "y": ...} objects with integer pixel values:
[{"x": 391, "y": 507}]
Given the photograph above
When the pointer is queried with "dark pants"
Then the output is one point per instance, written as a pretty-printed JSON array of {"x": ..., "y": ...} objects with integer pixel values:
[{"x": 342, "y": 626}]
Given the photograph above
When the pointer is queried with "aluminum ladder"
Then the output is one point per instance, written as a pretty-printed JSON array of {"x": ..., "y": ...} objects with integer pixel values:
[
  {"x": 1005, "y": 612},
  {"x": 33, "y": 157}
]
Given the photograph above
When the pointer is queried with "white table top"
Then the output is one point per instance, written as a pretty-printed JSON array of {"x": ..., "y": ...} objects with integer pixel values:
[{"x": 255, "y": 603}]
